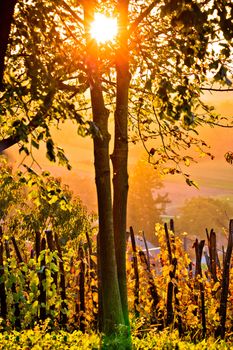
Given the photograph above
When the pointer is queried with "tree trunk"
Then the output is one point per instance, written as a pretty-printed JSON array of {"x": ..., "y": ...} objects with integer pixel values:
[
  {"x": 120, "y": 154},
  {"x": 106, "y": 254},
  {"x": 112, "y": 309}
]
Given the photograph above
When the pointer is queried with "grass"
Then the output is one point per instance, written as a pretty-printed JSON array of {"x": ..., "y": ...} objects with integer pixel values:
[{"x": 40, "y": 339}]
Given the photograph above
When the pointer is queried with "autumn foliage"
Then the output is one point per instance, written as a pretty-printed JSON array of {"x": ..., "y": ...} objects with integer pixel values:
[{"x": 51, "y": 276}]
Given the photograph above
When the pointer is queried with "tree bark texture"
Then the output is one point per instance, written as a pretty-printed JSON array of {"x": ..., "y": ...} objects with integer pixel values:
[
  {"x": 120, "y": 154},
  {"x": 112, "y": 309}
]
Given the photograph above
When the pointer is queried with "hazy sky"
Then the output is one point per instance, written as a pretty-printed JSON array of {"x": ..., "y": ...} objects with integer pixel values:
[{"x": 214, "y": 177}]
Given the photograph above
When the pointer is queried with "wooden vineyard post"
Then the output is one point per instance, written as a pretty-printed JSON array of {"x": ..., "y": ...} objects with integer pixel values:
[
  {"x": 172, "y": 227},
  {"x": 92, "y": 276},
  {"x": 17, "y": 251},
  {"x": 170, "y": 313},
  {"x": 81, "y": 282},
  {"x": 3, "y": 302},
  {"x": 136, "y": 273},
  {"x": 37, "y": 244},
  {"x": 168, "y": 243},
  {"x": 198, "y": 272},
  {"x": 32, "y": 254},
  {"x": 220, "y": 332},
  {"x": 63, "y": 314},
  {"x": 172, "y": 289},
  {"x": 42, "y": 283},
  {"x": 147, "y": 250},
  {"x": 176, "y": 290},
  {"x": 213, "y": 256},
  {"x": 155, "y": 317},
  {"x": 54, "y": 274},
  {"x": 51, "y": 246}
]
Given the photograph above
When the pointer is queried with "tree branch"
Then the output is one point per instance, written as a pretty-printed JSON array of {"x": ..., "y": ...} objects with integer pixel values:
[
  {"x": 218, "y": 124},
  {"x": 215, "y": 89},
  {"x": 73, "y": 88},
  {"x": 33, "y": 124},
  {"x": 140, "y": 18},
  {"x": 72, "y": 12}
]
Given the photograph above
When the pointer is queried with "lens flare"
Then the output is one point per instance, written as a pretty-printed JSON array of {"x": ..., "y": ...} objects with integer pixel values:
[{"x": 103, "y": 28}]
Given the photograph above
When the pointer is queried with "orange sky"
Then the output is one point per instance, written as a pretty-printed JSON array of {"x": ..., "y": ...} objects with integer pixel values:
[{"x": 214, "y": 177}]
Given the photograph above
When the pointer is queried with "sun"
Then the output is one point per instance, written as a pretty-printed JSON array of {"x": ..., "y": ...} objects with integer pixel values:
[{"x": 103, "y": 28}]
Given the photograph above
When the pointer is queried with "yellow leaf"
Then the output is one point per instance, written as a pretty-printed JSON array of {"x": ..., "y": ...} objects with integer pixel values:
[{"x": 216, "y": 287}]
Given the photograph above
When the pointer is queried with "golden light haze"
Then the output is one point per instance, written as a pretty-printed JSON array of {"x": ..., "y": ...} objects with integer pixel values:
[{"x": 215, "y": 177}]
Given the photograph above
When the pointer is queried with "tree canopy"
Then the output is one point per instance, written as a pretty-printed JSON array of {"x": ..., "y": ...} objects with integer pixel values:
[
  {"x": 31, "y": 203},
  {"x": 176, "y": 50}
]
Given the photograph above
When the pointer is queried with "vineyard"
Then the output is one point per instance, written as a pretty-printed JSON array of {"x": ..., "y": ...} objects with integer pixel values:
[
  {"x": 48, "y": 284},
  {"x": 60, "y": 284},
  {"x": 49, "y": 278}
]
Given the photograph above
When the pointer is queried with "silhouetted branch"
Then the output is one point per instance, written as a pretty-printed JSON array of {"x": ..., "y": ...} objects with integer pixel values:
[
  {"x": 215, "y": 89},
  {"x": 36, "y": 121},
  {"x": 6, "y": 17},
  {"x": 140, "y": 18}
]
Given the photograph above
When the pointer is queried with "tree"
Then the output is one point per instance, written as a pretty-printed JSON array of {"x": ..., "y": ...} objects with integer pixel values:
[
  {"x": 32, "y": 203},
  {"x": 153, "y": 73},
  {"x": 201, "y": 213},
  {"x": 6, "y": 18},
  {"x": 144, "y": 208}
]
